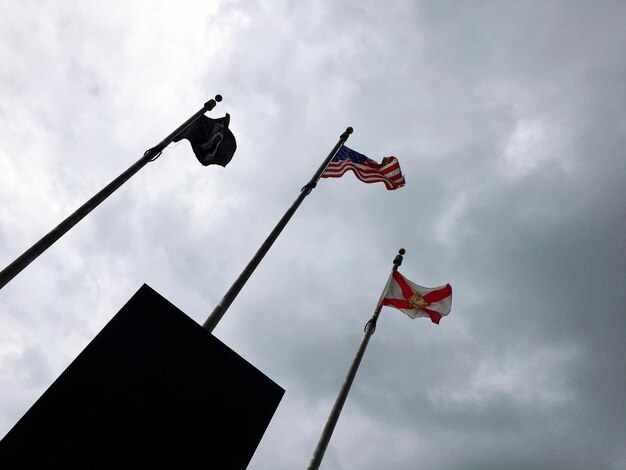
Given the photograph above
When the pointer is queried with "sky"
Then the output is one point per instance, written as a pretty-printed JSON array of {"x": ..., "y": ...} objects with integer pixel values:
[{"x": 509, "y": 122}]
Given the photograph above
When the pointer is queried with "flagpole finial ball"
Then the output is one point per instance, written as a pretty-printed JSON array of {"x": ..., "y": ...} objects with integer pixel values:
[
  {"x": 402, "y": 251},
  {"x": 218, "y": 98},
  {"x": 349, "y": 130}
]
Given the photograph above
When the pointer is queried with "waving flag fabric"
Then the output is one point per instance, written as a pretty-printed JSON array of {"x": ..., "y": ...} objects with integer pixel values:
[
  {"x": 365, "y": 169},
  {"x": 417, "y": 301},
  {"x": 212, "y": 141}
]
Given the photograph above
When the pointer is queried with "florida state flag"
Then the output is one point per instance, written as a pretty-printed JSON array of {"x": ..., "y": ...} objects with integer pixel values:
[{"x": 417, "y": 301}]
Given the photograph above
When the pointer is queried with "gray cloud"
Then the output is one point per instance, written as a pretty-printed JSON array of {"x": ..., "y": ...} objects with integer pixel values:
[{"x": 508, "y": 121}]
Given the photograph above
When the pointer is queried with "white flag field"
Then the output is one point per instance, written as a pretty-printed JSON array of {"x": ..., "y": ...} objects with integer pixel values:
[{"x": 415, "y": 300}]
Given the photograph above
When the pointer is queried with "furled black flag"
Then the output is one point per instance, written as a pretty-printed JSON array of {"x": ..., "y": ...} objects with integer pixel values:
[{"x": 211, "y": 140}]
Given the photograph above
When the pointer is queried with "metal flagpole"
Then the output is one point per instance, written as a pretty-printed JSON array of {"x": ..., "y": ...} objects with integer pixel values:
[
  {"x": 46, "y": 241},
  {"x": 370, "y": 327},
  {"x": 219, "y": 311}
]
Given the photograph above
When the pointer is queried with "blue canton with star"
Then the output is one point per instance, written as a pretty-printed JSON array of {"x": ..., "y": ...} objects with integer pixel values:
[{"x": 346, "y": 153}]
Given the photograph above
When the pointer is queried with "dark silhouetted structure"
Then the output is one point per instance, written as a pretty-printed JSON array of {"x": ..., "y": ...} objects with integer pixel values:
[{"x": 153, "y": 390}]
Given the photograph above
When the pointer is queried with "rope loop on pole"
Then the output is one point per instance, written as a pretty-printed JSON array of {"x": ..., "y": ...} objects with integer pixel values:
[
  {"x": 157, "y": 153},
  {"x": 309, "y": 187}
]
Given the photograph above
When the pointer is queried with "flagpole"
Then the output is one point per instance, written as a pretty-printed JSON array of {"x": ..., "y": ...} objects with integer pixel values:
[
  {"x": 46, "y": 241},
  {"x": 370, "y": 327},
  {"x": 219, "y": 311}
]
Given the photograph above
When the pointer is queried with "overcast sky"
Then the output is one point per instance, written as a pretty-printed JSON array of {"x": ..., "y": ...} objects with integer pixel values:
[{"x": 509, "y": 122}]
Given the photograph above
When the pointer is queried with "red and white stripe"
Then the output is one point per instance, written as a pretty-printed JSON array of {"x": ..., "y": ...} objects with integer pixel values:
[{"x": 388, "y": 172}]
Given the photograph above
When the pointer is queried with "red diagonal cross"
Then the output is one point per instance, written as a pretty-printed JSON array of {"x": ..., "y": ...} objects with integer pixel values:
[{"x": 408, "y": 293}]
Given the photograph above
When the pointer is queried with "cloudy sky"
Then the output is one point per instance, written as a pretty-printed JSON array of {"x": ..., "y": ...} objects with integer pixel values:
[{"x": 509, "y": 122}]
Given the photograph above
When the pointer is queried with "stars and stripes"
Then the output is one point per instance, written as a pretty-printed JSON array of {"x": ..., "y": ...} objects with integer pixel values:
[
  {"x": 417, "y": 301},
  {"x": 365, "y": 169}
]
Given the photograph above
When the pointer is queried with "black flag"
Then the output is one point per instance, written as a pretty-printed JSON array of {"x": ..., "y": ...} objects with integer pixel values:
[{"x": 211, "y": 140}]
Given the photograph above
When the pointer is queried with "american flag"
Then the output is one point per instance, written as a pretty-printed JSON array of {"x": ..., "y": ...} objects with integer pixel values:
[{"x": 365, "y": 169}]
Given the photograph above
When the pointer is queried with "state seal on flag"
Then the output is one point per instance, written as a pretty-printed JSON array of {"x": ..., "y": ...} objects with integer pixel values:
[{"x": 417, "y": 301}]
